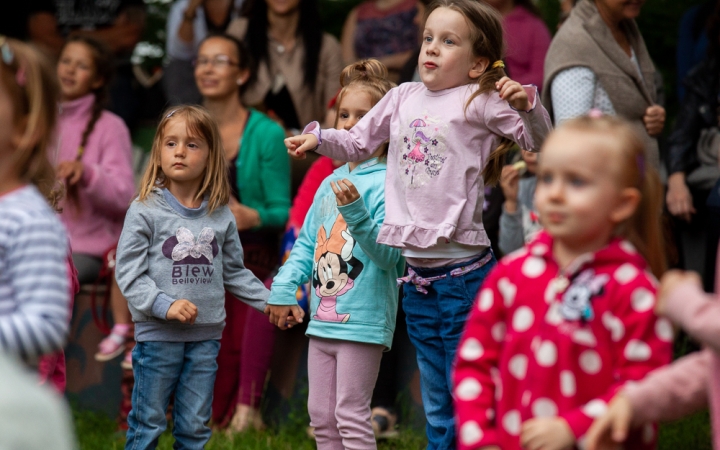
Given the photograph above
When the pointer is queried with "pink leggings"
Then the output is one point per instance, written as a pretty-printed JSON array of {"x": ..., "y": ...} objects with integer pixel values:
[{"x": 342, "y": 376}]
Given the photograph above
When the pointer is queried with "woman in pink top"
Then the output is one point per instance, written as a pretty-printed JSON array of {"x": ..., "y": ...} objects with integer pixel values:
[
  {"x": 528, "y": 39},
  {"x": 94, "y": 159},
  {"x": 690, "y": 384}
]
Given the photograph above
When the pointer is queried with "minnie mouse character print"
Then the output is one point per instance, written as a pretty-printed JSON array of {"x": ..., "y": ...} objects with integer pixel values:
[
  {"x": 331, "y": 278},
  {"x": 576, "y": 302}
]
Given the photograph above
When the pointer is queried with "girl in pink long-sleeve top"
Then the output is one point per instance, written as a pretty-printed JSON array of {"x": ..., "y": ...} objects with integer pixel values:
[
  {"x": 94, "y": 159},
  {"x": 562, "y": 324},
  {"x": 690, "y": 384}
]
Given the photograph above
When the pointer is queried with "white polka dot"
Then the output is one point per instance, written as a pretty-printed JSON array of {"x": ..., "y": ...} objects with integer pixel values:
[
  {"x": 525, "y": 400},
  {"x": 544, "y": 407},
  {"x": 584, "y": 337},
  {"x": 498, "y": 331},
  {"x": 648, "y": 433},
  {"x": 664, "y": 330},
  {"x": 533, "y": 267},
  {"x": 550, "y": 293},
  {"x": 490, "y": 414},
  {"x": 470, "y": 433},
  {"x": 553, "y": 316},
  {"x": 522, "y": 319},
  {"x": 614, "y": 326},
  {"x": 594, "y": 408},
  {"x": 628, "y": 247},
  {"x": 471, "y": 350},
  {"x": 539, "y": 249},
  {"x": 625, "y": 273},
  {"x": 486, "y": 300},
  {"x": 546, "y": 354},
  {"x": 511, "y": 422},
  {"x": 642, "y": 300},
  {"x": 636, "y": 350},
  {"x": 590, "y": 362},
  {"x": 512, "y": 256},
  {"x": 469, "y": 389},
  {"x": 508, "y": 291},
  {"x": 567, "y": 383},
  {"x": 518, "y": 366}
]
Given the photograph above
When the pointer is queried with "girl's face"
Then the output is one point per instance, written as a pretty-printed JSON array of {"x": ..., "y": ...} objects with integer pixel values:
[
  {"x": 355, "y": 104},
  {"x": 283, "y": 7},
  {"x": 579, "y": 194},
  {"x": 617, "y": 10},
  {"x": 446, "y": 58},
  {"x": 76, "y": 71},
  {"x": 217, "y": 74},
  {"x": 183, "y": 157}
]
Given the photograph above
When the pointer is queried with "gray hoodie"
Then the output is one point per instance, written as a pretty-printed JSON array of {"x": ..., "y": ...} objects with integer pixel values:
[{"x": 169, "y": 252}]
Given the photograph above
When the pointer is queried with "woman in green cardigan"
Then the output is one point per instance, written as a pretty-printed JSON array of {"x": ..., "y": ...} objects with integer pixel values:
[{"x": 260, "y": 182}]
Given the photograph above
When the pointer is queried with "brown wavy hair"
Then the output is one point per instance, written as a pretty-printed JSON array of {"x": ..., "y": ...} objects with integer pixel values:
[
  {"x": 486, "y": 35},
  {"x": 199, "y": 123},
  {"x": 31, "y": 83},
  {"x": 371, "y": 76},
  {"x": 644, "y": 228}
]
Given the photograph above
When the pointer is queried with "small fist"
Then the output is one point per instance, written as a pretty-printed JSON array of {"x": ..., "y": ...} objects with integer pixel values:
[
  {"x": 71, "y": 171},
  {"x": 654, "y": 119},
  {"x": 183, "y": 310},
  {"x": 513, "y": 93},
  {"x": 345, "y": 191},
  {"x": 671, "y": 280},
  {"x": 298, "y": 145}
]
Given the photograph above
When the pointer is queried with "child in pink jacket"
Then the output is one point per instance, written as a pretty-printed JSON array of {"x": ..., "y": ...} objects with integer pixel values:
[{"x": 686, "y": 386}]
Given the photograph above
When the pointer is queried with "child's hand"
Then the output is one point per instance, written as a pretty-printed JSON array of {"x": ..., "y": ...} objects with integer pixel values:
[
  {"x": 509, "y": 182},
  {"x": 345, "y": 191},
  {"x": 513, "y": 93},
  {"x": 70, "y": 170},
  {"x": 285, "y": 316},
  {"x": 551, "y": 433},
  {"x": 610, "y": 429},
  {"x": 669, "y": 282},
  {"x": 298, "y": 145},
  {"x": 183, "y": 311}
]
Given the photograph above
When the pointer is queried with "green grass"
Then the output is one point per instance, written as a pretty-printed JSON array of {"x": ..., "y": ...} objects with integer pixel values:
[{"x": 96, "y": 431}]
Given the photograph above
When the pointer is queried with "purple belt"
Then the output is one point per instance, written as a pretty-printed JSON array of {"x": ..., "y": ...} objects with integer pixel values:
[{"x": 420, "y": 282}]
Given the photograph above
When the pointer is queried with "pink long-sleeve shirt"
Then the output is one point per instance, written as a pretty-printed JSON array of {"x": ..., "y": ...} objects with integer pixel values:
[
  {"x": 438, "y": 149},
  {"x": 106, "y": 187},
  {"x": 528, "y": 40},
  {"x": 544, "y": 342},
  {"x": 691, "y": 382}
]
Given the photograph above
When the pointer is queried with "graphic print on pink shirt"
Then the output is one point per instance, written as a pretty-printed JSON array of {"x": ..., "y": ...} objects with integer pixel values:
[
  {"x": 331, "y": 279},
  {"x": 423, "y": 147}
]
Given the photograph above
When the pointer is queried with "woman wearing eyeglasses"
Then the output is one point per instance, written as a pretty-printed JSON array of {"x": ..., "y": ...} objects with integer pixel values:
[{"x": 259, "y": 173}]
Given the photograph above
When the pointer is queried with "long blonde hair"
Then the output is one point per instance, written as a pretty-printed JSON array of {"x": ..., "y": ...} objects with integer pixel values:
[
  {"x": 31, "y": 83},
  {"x": 486, "y": 35},
  {"x": 199, "y": 123},
  {"x": 643, "y": 229}
]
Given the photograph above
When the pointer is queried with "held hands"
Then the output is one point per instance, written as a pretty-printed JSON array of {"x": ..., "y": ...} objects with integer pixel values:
[
  {"x": 510, "y": 182},
  {"x": 71, "y": 171},
  {"x": 669, "y": 282},
  {"x": 345, "y": 191},
  {"x": 551, "y": 433},
  {"x": 298, "y": 145},
  {"x": 513, "y": 93},
  {"x": 285, "y": 316},
  {"x": 182, "y": 310},
  {"x": 654, "y": 119},
  {"x": 611, "y": 429}
]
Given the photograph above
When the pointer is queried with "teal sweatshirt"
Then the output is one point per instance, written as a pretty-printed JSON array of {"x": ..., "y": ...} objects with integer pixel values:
[{"x": 354, "y": 279}]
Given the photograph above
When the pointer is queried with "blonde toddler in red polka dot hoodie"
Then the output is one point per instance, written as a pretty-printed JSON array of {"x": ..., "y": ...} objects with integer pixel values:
[{"x": 562, "y": 324}]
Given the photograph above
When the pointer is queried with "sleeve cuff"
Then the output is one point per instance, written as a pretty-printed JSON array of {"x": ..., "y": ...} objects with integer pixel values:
[
  {"x": 283, "y": 295},
  {"x": 161, "y": 305},
  {"x": 531, "y": 91},
  {"x": 354, "y": 212},
  {"x": 314, "y": 129}
]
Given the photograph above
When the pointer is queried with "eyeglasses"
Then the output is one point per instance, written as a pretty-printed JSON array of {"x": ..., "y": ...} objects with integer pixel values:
[{"x": 218, "y": 62}]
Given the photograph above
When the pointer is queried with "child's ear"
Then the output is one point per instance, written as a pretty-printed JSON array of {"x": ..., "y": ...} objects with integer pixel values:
[
  {"x": 626, "y": 206},
  {"x": 99, "y": 81},
  {"x": 479, "y": 67}
]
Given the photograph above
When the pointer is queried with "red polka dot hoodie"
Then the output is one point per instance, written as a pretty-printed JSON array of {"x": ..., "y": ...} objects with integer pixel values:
[{"x": 541, "y": 342}]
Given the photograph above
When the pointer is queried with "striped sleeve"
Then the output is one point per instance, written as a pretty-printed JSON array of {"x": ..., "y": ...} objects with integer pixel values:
[{"x": 34, "y": 291}]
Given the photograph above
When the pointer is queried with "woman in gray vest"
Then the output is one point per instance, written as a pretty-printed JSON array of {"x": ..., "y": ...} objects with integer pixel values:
[{"x": 598, "y": 60}]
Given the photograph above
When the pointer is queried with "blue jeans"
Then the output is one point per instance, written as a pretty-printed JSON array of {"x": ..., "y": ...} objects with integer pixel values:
[
  {"x": 435, "y": 322},
  {"x": 161, "y": 369}
]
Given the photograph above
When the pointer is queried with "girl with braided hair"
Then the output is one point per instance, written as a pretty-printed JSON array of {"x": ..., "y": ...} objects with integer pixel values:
[{"x": 94, "y": 160}]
